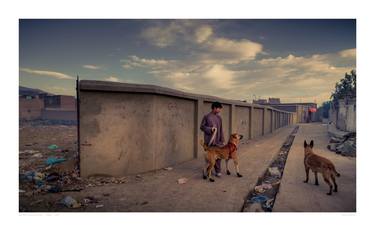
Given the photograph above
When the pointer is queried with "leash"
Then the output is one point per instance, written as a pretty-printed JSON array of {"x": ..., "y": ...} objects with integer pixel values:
[{"x": 213, "y": 136}]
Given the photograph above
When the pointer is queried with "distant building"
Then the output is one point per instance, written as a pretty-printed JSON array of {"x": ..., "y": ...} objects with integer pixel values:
[
  {"x": 260, "y": 101},
  {"x": 30, "y": 107},
  {"x": 60, "y": 101},
  {"x": 274, "y": 100},
  {"x": 37, "y": 104},
  {"x": 305, "y": 111}
]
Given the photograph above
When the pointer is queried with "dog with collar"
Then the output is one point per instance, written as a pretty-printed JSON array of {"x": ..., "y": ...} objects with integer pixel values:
[{"x": 227, "y": 152}]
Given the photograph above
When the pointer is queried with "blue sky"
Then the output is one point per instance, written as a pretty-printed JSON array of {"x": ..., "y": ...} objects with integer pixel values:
[{"x": 296, "y": 60}]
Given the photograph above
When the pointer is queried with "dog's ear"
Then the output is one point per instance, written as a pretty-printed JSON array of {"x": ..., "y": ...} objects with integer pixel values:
[
  {"x": 304, "y": 144},
  {"x": 311, "y": 143}
]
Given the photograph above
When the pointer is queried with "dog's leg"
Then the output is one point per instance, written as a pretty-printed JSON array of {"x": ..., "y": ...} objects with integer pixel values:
[
  {"x": 226, "y": 165},
  {"x": 326, "y": 179},
  {"x": 316, "y": 178},
  {"x": 204, "y": 170},
  {"x": 334, "y": 182},
  {"x": 235, "y": 160},
  {"x": 209, "y": 171},
  {"x": 307, "y": 169}
]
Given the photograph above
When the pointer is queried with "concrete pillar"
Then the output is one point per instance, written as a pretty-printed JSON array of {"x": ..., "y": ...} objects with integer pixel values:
[
  {"x": 264, "y": 119},
  {"x": 271, "y": 121},
  {"x": 251, "y": 122},
  {"x": 232, "y": 117},
  {"x": 198, "y": 118}
]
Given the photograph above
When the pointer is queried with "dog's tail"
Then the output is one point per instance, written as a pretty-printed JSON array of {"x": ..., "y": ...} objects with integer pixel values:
[
  {"x": 205, "y": 147},
  {"x": 334, "y": 170}
]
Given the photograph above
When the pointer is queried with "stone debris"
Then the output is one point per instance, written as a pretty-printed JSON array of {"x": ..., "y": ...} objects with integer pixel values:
[
  {"x": 341, "y": 142},
  {"x": 274, "y": 171},
  {"x": 262, "y": 188},
  {"x": 70, "y": 202}
]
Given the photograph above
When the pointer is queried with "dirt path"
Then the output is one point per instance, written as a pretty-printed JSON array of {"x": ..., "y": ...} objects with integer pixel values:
[{"x": 294, "y": 195}]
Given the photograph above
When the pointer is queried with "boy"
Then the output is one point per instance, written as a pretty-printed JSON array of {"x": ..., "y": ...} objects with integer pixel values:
[{"x": 210, "y": 122}]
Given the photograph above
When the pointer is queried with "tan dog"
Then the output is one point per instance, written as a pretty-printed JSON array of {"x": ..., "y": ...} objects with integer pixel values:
[
  {"x": 321, "y": 165},
  {"x": 229, "y": 151}
]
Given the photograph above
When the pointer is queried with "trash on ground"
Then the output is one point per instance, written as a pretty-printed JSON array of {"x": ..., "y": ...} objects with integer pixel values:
[
  {"x": 69, "y": 202},
  {"x": 52, "y": 177},
  {"x": 52, "y": 147},
  {"x": 259, "y": 199},
  {"x": 274, "y": 171},
  {"x": 90, "y": 199},
  {"x": 262, "y": 188},
  {"x": 182, "y": 180},
  {"x": 54, "y": 160},
  {"x": 168, "y": 168},
  {"x": 37, "y": 155}
]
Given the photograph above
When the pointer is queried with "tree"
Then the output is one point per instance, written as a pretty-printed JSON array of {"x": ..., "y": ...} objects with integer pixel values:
[
  {"x": 345, "y": 88},
  {"x": 325, "y": 109}
]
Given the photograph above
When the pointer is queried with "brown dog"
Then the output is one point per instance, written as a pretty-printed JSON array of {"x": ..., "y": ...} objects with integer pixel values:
[
  {"x": 321, "y": 165},
  {"x": 229, "y": 151}
]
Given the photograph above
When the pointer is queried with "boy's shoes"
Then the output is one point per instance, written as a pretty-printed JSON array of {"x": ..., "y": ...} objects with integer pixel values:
[{"x": 218, "y": 174}]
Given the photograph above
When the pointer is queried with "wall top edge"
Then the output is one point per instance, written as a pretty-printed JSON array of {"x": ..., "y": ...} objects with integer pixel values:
[{"x": 108, "y": 86}]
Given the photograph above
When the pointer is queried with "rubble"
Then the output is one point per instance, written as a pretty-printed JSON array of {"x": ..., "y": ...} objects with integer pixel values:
[
  {"x": 70, "y": 202},
  {"x": 274, "y": 171},
  {"x": 341, "y": 142}
]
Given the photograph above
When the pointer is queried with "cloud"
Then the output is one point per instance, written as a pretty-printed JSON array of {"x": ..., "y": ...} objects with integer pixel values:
[
  {"x": 164, "y": 35},
  {"x": 292, "y": 78},
  {"x": 53, "y": 74},
  {"x": 92, "y": 67},
  {"x": 350, "y": 53},
  {"x": 112, "y": 78},
  {"x": 231, "y": 51},
  {"x": 199, "y": 39},
  {"x": 135, "y": 61},
  {"x": 203, "y": 33}
]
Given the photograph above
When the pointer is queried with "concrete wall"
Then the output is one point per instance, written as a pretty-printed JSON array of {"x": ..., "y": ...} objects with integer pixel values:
[
  {"x": 258, "y": 122},
  {"x": 242, "y": 116},
  {"x": 128, "y": 128},
  {"x": 344, "y": 115}
]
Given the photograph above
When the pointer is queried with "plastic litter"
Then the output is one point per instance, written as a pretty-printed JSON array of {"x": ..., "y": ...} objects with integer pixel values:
[
  {"x": 259, "y": 199},
  {"x": 54, "y": 160},
  {"x": 53, "y": 147},
  {"x": 262, "y": 188}
]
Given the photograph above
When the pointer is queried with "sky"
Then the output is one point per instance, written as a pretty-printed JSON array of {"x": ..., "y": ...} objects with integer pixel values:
[{"x": 242, "y": 59}]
